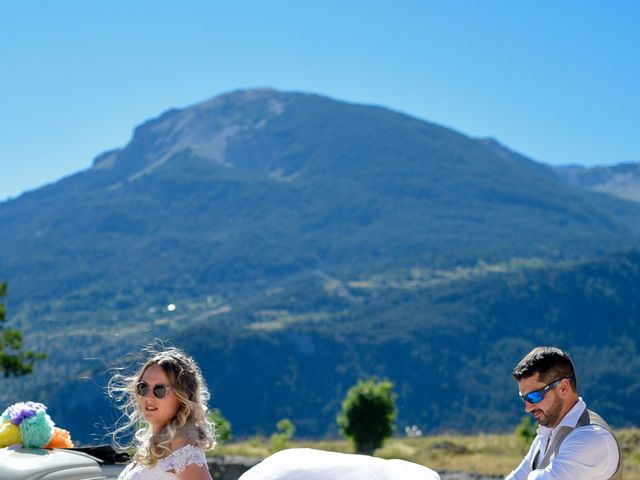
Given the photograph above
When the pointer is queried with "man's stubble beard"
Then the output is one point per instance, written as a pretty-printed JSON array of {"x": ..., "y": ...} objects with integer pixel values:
[{"x": 552, "y": 417}]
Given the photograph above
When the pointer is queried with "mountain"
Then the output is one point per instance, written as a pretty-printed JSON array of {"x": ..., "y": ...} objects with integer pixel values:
[
  {"x": 261, "y": 184},
  {"x": 621, "y": 180},
  {"x": 290, "y": 229}
]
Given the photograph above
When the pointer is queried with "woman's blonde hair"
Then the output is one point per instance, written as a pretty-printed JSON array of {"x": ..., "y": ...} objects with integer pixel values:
[{"x": 190, "y": 425}]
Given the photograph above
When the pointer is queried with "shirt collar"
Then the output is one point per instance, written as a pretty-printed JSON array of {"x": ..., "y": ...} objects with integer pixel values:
[
  {"x": 573, "y": 415},
  {"x": 569, "y": 420}
]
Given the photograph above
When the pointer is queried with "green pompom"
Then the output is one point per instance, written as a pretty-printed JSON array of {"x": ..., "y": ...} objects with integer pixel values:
[{"x": 36, "y": 430}]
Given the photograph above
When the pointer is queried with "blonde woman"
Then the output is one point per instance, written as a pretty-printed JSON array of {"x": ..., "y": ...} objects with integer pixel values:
[{"x": 167, "y": 401}]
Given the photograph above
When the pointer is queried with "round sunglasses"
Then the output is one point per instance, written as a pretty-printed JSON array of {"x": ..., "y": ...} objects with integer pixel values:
[{"x": 159, "y": 391}]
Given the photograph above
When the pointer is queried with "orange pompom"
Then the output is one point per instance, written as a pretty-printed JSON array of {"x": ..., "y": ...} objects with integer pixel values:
[{"x": 61, "y": 439}]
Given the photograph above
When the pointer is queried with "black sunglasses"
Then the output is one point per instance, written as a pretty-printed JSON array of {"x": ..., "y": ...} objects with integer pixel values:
[
  {"x": 537, "y": 395},
  {"x": 159, "y": 391}
]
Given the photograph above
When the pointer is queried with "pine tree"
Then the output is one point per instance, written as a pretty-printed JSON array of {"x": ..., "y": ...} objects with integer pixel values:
[{"x": 13, "y": 360}]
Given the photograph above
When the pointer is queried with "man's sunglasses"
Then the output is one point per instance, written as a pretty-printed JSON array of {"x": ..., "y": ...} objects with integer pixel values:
[
  {"x": 537, "y": 395},
  {"x": 159, "y": 391}
]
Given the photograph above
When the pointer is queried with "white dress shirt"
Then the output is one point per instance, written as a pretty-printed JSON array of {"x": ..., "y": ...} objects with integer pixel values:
[{"x": 588, "y": 453}]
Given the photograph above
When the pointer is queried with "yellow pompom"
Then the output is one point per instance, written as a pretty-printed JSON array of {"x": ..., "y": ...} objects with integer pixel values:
[
  {"x": 61, "y": 439},
  {"x": 9, "y": 434}
]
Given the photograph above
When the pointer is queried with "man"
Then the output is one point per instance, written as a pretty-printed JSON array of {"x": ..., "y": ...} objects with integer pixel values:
[{"x": 572, "y": 443}]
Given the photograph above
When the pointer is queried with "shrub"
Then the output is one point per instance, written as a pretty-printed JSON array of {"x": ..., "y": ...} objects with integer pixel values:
[
  {"x": 279, "y": 440},
  {"x": 223, "y": 427},
  {"x": 368, "y": 413},
  {"x": 526, "y": 431}
]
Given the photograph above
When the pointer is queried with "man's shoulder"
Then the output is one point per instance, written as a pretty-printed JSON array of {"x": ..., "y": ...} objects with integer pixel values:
[
  {"x": 595, "y": 443},
  {"x": 595, "y": 435},
  {"x": 591, "y": 424}
]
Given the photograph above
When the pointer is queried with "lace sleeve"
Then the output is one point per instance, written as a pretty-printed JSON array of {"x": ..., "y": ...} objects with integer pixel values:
[{"x": 185, "y": 456}]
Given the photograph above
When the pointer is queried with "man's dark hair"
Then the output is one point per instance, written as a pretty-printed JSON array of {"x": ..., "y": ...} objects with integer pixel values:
[{"x": 550, "y": 362}]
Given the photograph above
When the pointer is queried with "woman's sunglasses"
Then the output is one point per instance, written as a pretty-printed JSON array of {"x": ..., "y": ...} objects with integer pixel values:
[
  {"x": 537, "y": 395},
  {"x": 159, "y": 391}
]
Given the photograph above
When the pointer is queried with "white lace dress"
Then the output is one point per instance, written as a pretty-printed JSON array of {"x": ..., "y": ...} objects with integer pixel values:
[{"x": 167, "y": 467}]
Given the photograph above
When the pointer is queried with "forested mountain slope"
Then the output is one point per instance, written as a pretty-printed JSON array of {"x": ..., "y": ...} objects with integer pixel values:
[{"x": 306, "y": 242}]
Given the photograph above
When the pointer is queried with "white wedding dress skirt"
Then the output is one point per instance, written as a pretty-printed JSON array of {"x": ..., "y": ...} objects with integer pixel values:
[{"x": 310, "y": 464}]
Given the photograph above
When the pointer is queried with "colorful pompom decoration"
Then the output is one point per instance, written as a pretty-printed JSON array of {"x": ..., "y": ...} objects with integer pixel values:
[
  {"x": 36, "y": 430},
  {"x": 28, "y": 423},
  {"x": 9, "y": 434},
  {"x": 61, "y": 439},
  {"x": 17, "y": 412}
]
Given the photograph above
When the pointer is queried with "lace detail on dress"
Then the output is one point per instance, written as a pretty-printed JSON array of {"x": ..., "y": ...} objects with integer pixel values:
[
  {"x": 176, "y": 462},
  {"x": 183, "y": 457}
]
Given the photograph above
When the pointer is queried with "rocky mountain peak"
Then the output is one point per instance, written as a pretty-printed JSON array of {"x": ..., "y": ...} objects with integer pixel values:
[{"x": 204, "y": 128}]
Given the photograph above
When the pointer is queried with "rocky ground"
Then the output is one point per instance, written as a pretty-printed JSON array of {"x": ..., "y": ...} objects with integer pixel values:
[{"x": 465, "y": 476}]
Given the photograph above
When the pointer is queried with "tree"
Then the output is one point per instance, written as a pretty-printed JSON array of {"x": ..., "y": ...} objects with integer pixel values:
[
  {"x": 368, "y": 413},
  {"x": 223, "y": 426},
  {"x": 526, "y": 432},
  {"x": 13, "y": 360},
  {"x": 284, "y": 432}
]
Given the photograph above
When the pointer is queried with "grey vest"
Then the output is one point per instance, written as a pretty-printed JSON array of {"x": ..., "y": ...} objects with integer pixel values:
[{"x": 587, "y": 418}]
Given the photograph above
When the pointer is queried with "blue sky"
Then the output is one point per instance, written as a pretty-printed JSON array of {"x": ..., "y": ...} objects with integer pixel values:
[{"x": 555, "y": 80}]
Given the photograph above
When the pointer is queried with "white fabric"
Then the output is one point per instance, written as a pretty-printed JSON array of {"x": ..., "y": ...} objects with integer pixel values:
[
  {"x": 588, "y": 453},
  {"x": 310, "y": 464},
  {"x": 164, "y": 469}
]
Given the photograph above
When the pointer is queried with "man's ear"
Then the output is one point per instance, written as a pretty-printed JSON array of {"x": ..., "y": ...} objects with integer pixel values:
[{"x": 565, "y": 387}]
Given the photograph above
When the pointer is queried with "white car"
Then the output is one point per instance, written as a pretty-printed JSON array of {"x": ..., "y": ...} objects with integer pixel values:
[
  {"x": 310, "y": 464},
  {"x": 17, "y": 463}
]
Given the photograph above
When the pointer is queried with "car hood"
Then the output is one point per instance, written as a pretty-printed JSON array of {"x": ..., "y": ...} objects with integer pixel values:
[{"x": 48, "y": 464}]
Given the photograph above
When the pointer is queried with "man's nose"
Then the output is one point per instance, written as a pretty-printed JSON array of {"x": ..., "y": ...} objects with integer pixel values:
[{"x": 528, "y": 407}]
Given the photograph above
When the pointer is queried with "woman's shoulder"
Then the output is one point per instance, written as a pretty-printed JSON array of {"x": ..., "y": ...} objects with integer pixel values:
[
  {"x": 183, "y": 455},
  {"x": 194, "y": 435},
  {"x": 185, "y": 439},
  {"x": 182, "y": 448}
]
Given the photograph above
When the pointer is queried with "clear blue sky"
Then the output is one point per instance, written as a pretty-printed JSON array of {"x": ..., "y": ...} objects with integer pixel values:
[{"x": 555, "y": 80}]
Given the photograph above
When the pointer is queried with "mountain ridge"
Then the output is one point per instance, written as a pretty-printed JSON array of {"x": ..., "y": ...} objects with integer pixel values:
[{"x": 621, "y": 180}]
